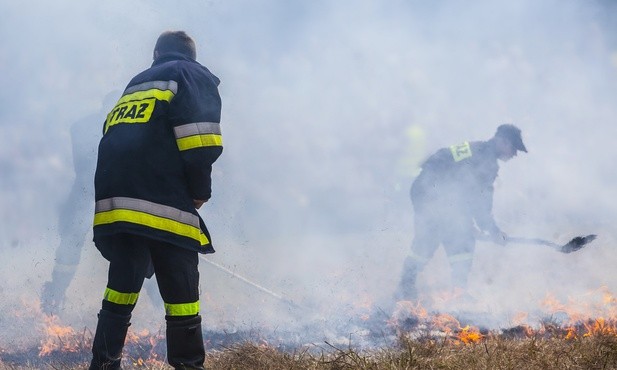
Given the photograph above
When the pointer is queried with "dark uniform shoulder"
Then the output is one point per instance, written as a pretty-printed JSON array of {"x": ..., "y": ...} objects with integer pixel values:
[{"x": 182, "y": 64}]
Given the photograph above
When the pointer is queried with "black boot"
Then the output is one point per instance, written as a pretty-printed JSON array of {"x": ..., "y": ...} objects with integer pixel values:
[
  {"x": 109, "y": 339},
  {"x": 185, "y": 345}
]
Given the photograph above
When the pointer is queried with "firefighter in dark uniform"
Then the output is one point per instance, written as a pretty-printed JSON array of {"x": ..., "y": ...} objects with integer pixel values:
[
  {"x": 153, "y": 173},
  {"x": 74, "y": 218},
  {"x": 452, "y": 198}
]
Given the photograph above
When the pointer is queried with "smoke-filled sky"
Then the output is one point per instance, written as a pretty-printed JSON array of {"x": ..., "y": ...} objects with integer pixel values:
[{"x": 328, "y": 107}]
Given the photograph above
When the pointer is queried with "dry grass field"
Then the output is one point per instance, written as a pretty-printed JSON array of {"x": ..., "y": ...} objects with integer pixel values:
[
  {"x": 587, "y": 353},
  {"x": 589, "y": 345}
]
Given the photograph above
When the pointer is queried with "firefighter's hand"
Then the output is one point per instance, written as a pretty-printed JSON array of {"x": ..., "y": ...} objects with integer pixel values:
[
  {"x": 198, "y": 203},
  {"x": 499, "y": 237}
]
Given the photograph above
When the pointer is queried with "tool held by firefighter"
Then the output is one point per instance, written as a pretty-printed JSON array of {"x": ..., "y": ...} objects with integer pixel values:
[
  {"x": 261, "y": 288},
  {"x": 572, "y": 246}
]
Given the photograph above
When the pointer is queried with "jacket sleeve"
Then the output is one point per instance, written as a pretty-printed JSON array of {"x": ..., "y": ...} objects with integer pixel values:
[{"x": 195, "y": 114}]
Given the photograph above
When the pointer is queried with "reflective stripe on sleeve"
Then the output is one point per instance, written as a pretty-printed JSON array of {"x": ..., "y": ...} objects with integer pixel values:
[
  {"x": 116, "y": 297},
  {"x": 197, "y": 135},
  {"x": 182, "y": 309},
  {"x": 157, "y": 216}
]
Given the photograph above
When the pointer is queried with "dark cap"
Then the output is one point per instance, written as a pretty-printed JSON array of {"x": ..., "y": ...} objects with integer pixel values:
[{"x": 513, "y": 134}]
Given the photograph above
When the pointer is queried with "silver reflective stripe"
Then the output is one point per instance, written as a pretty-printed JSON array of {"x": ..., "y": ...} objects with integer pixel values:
[
  {"x": 197, "y": 128},
  {"x": 159, "y": 85},
  {"x": 147, "y": 207}
]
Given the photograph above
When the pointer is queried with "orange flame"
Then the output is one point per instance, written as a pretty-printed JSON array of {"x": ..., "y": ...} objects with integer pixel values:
[
  {"x": 600, "y": 327},
  {"x": 443, "y": 323},
  {"x": 571, "y": 334},
  {"x": 586, "y": 315},
  {"x": 59, "y": 338},
  {"x": 152, "y": 339},
  {"x": 470, "y": 335}
]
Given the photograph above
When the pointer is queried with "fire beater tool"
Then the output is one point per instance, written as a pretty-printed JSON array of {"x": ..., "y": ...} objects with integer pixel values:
[
  {"x": 571, "y": 246},
  {"x": 262, "y": 289}
]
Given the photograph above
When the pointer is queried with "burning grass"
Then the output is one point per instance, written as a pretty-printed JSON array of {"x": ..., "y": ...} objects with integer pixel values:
[
  {"x": 588, "y": 345},
  {"x": 492, "y": 352},
  {"x": 409, "y": 338}
]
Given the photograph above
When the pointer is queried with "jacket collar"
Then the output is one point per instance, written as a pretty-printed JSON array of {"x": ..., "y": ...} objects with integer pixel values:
[{"x": 171, "y": 56}]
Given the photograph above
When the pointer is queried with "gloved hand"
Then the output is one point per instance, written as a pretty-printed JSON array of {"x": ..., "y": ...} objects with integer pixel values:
[{"x": 198, "y": 203}]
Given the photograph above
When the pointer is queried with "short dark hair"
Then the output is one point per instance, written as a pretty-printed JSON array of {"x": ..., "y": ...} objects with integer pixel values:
[{"x": 176, "y": 41}]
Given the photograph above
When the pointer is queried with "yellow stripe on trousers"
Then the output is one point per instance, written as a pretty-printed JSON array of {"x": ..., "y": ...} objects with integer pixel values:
[
  {"x": 116, "y": 297},
  {"x": 182, "y": 309}
]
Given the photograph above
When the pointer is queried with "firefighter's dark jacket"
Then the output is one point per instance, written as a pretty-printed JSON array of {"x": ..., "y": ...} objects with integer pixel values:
[
  {"x": 156, "y": 154},
  {"x": 458, "y": 180}
]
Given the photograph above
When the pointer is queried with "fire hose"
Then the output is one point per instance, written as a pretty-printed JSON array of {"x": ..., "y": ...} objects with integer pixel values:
[{"x": 251, "y": 283}]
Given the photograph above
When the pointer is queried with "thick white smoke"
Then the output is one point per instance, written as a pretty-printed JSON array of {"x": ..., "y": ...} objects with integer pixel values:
[{"x": 327, "y": 109}]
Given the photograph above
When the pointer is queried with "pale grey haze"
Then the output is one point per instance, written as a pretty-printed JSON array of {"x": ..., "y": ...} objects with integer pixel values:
[{"x": 328, "y": 107}]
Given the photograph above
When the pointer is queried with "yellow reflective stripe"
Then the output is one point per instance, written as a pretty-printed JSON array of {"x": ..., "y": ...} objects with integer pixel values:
[
  {"x": 203, "y": 239},
  {"x": 160, "y": 211},
  {"x": 165, "y": 95},
  {"x": 460, "y": 257},
  {"x": 132, "y": 112},
  {"x": 461, "y": 151},
  {"x": 198, "y": 135},
  {"x": 148, "y": 207},
  {"x": 116, "y": 297},
  {"x": 198, "y": 141},
  {"x": 182, "y": 309},
  {"x": 155, "y": 222},
  {"x": 138, "y": 102}
]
